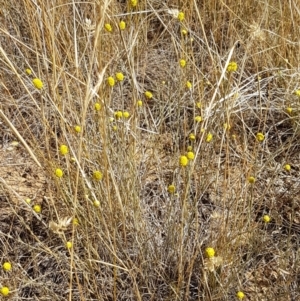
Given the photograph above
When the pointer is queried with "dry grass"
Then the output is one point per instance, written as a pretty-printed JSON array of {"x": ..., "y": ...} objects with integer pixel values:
[{"x": 141, "y": 242}]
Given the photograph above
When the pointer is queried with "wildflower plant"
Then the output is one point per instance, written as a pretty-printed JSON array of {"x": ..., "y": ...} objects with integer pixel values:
[
  {"x": 38, "y": 83},
  {"x": 6, "y": 266},
  {"x": 37, "y": 208},
  {"x": 182, "y": 63},
  {"x": 240, "y": 295},
  {"x": 171, "y": 189},
  {"x": 4, "y": 291},
  {"x": 59, "y": 173},
  {"x": 183, "y": 161},
  {"x": 63, "y": 149},
  {"x": 180, "y": 16},
  {"x": 108, "y": 27},
  {"x": 232, "y": 67},
  {"x": 122, "y": 25},
  {"x": 111, "y": 81},
  {"x": 148, "y": 94}
]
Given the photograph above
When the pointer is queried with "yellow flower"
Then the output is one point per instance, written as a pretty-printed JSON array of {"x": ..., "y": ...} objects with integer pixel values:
[
  {"x": 289, "y": 110},
  {"x": 232, "y": 67},
  {"x": 133, "y": 3},
  {"x": 209, "y": 137},
  {"x": 266, "y": 218},
  {"x": 69, "y": 244},
  {"x": 240, "y": 295},
  {"x": 38, "y": 83},
  {"x": 198, "y": 118},
  {"x": 28, "y": 200},
  {"x": 189, "y": 148},
  {"x": 180, "y": 16},
  {"x": 37, "y": 208},
  {"x": 260, "y": 137},
  {"x": 114, "y": 128},
  {"x": 192, "y": 136},
  {"x": 77, "y": 128},
  {"x": 97, "y": 106},
  {"x": 171, "y": 189},
  {"x": 188, "y": 84},
  {"x": 75, "y": 221},
  {"x": 126, "y": 114},
  {"x": 4, "y": 291},
  {"x": 108, "y": 27},
  {"x": 297, "y": 93},
  {"x": 28, "y": 71},
  {"x": 190, "y": 155},
  {"x": 96, "y": 203},
  {"x": 184, "y": 31},
  {"x": 287, "y": 167},
  {"x": 251, "y": 180},
  {"x": 111, "y": 81},
  {"x": 119, "y": 76},
  {"x": 198, "y": 105},
  {"x": 59, "y": 173},
  {"x": 183, "y": 161},
  {"x": 227, "y": 126},
  {"x": 210, "y": 252},
  {"x": 6, "y": 266},
  {"x": 118, "y": 114},
  {"x": 139, "y": 103},
  {"x": 182, "y": 63},
  {"x": 122, "y": 25},
  {"x": 148, "y": 94},
  {"x": 97, "y": 175},
  {"x": 63, "y": 149}
]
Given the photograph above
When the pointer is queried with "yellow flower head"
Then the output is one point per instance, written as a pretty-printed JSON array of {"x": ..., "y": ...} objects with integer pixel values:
[
  {"x": 210, "y": 252},
  {"x": 122, "y": 25},
  {"x": 198, "y": 105},
  {"x": 188, "y": 84},
  {"x": 297, "y": 93},
  {"x": 148, "y": 94},
  {"x": 260, "y": 137},
  {"x": 198, "y": 118},
  {"x": 97, "y": 175},
  {"x": 126, "y": 114},
  {"x": 69, "y": 244},
  {"x": 37, "y": 208},
  {"x": 97, "y": 106},
  {"x": 189, "y": 148},
  {"x": 4, "y": 291},
  {"x": 209, "y": 137},
  {"x": 133, "y": 3},
  {"x": 287, "y": 167},
  {"x": 266, "y": 218},
  {"x": 192, "y": 136},
  {"x": 139, "y": 103},
  {"x": 111, "y": 81},
  {"x": 28, "y": 200},
  {"x": 38, "y": 83},
  {"x": 119, "y": 76},
  {"x": 240, "y": 295},
  {"x": 63, "y": 149},
  {"x": 77, "y": 128},
  {"x": 96, "y": 204},
  {"x": 251, "y": 180},
  {"x": 75, "y": 221},
  {"x": 108, "y": 27},
  {"x": 182, "y": 63},
  {"x": 184, "y": 32},
  {"x": 190, "y": 155},
  {"x": 171, "y": 189},
  {"x": 118, "y": 114},
  {"x": 289, "y": 110},
  {"x": 183, "y": 161},
  {"x": 59, "y": 173},
  {"x": 180, "y": 16},
  {"x": 28, "y": 71},
  {"x": 227, "y": 126},
  {"x": 6, "y": 266},
  {"x": 232, "y": 67}
]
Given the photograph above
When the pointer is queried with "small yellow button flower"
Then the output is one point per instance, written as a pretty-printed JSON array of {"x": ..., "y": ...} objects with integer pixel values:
[
  {"x": 77, "y": 128},
  {"x": 266, "y": 218},
  {"x": 96, "y": 203},
  {"x": 37, "y": 208},
  {"x": 126, "y": 114},
  {"x": 189, "y": 148},
  {"x": 182, "y": 63},
  {"x": 59, "y": 173},
  {"x": 260, "y": 137},
  {"x": 38, "y": 83},
  {"x": 184, "y": 32},
  {"x": 28, "y": 71},
  {"x": 6, "y": 266},
  {"x": 118, "y": 114},
  {"x": 232, "y": 67},
  {"x": 97, "y": 175},
  {"x": 289, "y": 110},
  {"x": 63, "y": 149},
  {"x": 297, "y": 93},
  {"x": 190, "y": 155},
  {"x": 111, "y": 81},
  {"x": 240, "y": 295},
  {"x": 148, "y": 94},
  {"x": 287, "y": 167},
  {"x": 119, "y": 76},
  {"x": 69, "y": 244},
  {"x": 139, "y": 103},
  {"x": 4, "y": 291},
  {"x": 210, "y": 252},
  {"x": 97, "y": 106},
  {"x": 188, "y": 84},
  {"x": 108, "y": 27},
  {"x": 122, "y": 25},
  {"x": 75, "y": 221},
  {"x": 133, "y": 3},
  {"x": 227, "y": 126},
  {"x": 192, "y": 137},
  {"x": 209, "y": 137},
  {"x": 198, "y": 105},
  {"x": 171, "y": 189},
  {"x": 180, "y": 16},
  {"x": 28, "y": 200},
  {"x": 198, "y": 118},
  {"x": 183, "y": 161},
  {"x": 251, "y": 180}
]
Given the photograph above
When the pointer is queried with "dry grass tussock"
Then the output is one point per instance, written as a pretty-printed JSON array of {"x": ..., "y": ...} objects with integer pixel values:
[{"x": 187, "y": 192}]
